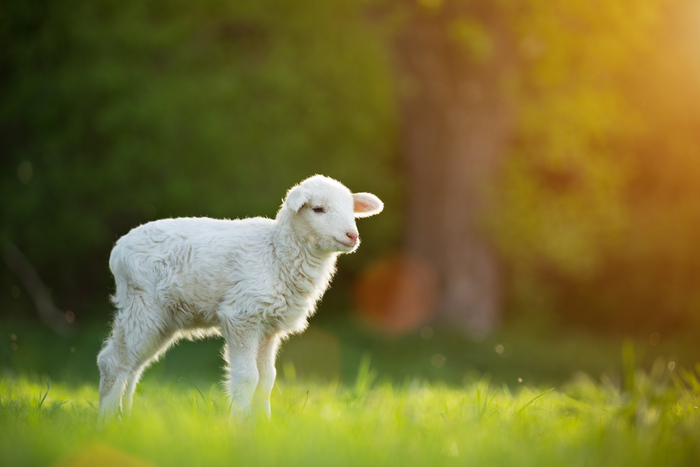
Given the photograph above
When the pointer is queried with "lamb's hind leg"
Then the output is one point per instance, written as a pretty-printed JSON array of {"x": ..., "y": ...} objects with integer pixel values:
[
  {"x": 150, "y": 352},
  {"x": 114, "y": 374},
  {"x": 131, "y": 346}
]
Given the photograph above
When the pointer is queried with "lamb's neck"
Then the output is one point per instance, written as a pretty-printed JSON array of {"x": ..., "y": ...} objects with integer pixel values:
[{"x": 300, "y": 260}]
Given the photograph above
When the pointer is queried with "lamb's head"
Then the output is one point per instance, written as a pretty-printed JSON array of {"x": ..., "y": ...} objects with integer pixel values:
[{"x": 322, "y": 211}]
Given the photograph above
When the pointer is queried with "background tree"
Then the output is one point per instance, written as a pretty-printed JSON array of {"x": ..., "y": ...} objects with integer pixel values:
[
  {"x": 453, "y": 59},
  {"x": 521, "y": 139}
]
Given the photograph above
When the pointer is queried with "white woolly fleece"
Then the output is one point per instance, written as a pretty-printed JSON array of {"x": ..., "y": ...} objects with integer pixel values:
[{"x": 253, "y": 280}]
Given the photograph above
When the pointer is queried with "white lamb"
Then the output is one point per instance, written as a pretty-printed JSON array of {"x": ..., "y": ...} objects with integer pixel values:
[{"x": 254, "y": 281}]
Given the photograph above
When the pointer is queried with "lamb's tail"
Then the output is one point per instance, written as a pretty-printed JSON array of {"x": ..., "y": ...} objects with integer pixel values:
[{"x": 118, "y": 267}]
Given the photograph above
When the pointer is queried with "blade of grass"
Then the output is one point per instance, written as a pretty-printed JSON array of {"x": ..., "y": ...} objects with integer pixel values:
[
  {"x": 48, "y": 387},
  {"x": 307, "y": 400},
  {"x": 56, "y": 406},
  {"x": 534, "y": 399},
  {"x": 195, "y": 386},
  {"x": 92, "y": 406}
]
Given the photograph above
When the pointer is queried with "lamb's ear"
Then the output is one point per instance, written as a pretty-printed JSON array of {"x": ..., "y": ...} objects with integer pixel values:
[
  {"x": 296, "y": 198},
  {"x": 366, "y": 204}
]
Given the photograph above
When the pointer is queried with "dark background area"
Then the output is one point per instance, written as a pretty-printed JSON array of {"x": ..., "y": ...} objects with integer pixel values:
[{"x": 335, "y": 352}]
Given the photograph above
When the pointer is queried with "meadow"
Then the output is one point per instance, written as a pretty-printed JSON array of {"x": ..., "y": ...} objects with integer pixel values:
[
  {"x": 369, "y": 407},
  {"x": 539, "y": 161}
]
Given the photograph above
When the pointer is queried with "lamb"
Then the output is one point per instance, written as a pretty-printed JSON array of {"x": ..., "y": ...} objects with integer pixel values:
[{"x": 254, "y": 281}]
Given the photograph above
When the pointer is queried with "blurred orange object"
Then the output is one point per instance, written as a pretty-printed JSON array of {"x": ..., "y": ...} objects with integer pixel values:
[
  {"x": 397, "y": 294},
  {"x": 103, "y": 455}
]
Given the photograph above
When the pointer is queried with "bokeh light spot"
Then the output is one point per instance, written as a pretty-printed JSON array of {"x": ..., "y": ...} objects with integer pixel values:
[
  {"x": 503, "y": 350},
  {"x": 654, "y": 338},
  {"x": 70, "y": 316},
  {"x": 397, "y": 294},
  {"x": 438, "y": 360}
]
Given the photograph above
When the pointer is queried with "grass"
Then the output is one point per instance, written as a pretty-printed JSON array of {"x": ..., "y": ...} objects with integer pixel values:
[
  {"x": 514, "y": 399},
  {"x": 654, "y": 422}
]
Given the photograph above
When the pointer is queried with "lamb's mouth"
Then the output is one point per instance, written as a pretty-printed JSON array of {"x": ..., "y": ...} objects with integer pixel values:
[{"x": 347, "y": 245}]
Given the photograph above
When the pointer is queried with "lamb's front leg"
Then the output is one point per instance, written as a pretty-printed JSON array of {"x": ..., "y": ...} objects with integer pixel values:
[
  {"x": 266, "y": 368},
  {"x": 242, "y": 342}
]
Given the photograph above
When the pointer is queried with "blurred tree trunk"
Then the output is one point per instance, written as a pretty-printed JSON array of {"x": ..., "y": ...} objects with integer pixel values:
[{"x": 455, "y": 128}]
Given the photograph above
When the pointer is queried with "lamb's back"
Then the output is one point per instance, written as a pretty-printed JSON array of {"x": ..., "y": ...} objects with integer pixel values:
[{"x": 200, "y": 251}]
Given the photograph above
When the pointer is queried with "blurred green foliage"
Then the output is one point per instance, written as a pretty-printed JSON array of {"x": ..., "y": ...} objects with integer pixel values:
[
  {"x": 116, "y": 113},
  {"x": 335, "y": 350},
  {"x": 599, "y": 213}
]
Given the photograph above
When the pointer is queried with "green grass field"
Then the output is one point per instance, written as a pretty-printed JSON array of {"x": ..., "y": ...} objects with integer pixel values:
[
  {"x": 362, "y": 416},
  {"x": 328, "y": 424}
]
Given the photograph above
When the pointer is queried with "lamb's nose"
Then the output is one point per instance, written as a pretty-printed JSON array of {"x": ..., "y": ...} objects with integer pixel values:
[{"x": 352, "y": 236}]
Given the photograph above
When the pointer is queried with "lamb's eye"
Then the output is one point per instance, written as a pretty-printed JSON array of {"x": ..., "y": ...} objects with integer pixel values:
[{"x": 319, "y": 210}]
